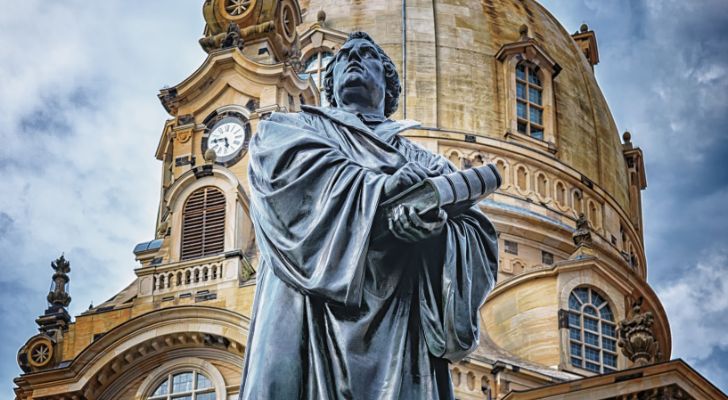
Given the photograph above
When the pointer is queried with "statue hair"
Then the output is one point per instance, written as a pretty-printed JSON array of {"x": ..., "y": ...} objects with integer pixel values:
[{"x": 391, "y": 77}]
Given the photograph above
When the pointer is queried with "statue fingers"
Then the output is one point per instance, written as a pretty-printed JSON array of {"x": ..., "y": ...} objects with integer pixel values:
[
  {"x": 426, "y": 228},
  {"x": 400, "y": 226}
]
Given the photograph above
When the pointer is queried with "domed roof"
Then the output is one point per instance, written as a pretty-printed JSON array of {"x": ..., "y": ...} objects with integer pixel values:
[{"x": 454, "y": 82}]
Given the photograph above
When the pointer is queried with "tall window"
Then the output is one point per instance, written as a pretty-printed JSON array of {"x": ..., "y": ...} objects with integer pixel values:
[
  {"x": 203, "y": 223},
  {"x": 592, "y": 334},
  {"x": 315, "y": 66},
  {"x": 188, "y": 385},
  {"x": 529, "y": 102}
]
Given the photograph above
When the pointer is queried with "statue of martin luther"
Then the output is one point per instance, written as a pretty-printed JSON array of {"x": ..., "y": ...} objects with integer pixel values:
[{"x": 346, "y": 308}]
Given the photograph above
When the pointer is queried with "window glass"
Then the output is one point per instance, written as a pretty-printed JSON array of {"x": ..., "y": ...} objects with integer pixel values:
[
  {"x": 536, "y": 115},
  {"x": 521, "y": 110},
  {"x": 592, "y": 333},
  {"x": 529, "y": 103},
  {"x": 606, "y": 313},
  {"x": 315, "y": 67},
  {"x": 521, "y": 90},
  {"x": 534, "y": 96},
  {"x": 203, "y": 382},
  {"x": 522, "y": 128},
  {"x": 521, "y": 72},
  {"x": 163, "y": 388},
  {"x": 185, "y": 385},
  {"x": 533, "y": 76},
  {"x": 182, "y": 382}
]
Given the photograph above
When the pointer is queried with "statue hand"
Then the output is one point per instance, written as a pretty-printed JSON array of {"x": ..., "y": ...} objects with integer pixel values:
[
  {"x": 408, "y": 226},
  {"x": 405, "y": 177}
]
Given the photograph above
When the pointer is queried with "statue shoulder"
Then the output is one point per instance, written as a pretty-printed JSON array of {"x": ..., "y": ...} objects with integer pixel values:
[
  {"x": 415, "y": 152},
  {"x": 286, "y": 123}
]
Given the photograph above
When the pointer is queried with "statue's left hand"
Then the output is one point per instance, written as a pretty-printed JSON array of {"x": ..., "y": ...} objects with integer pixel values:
[{"x": 408, "y": 226}]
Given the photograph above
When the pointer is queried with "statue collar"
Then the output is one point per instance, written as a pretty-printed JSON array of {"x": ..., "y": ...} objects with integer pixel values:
[{"x": 384, "y": 131}]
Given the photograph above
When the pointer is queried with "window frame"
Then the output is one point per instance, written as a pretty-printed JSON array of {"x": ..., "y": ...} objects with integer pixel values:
[
  {"x": 583, "y": 345},
  {"x": 171, "y": 395},
  {"x": 529, "y": 69},
  {"x": 510, "y": 56},
  {"x": 203, "y": 215},
  {"x": 179, "y": 365}
]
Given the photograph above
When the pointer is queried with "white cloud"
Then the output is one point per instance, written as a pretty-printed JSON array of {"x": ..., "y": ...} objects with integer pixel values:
[
  {"x": 697, "y": 307},
  {"x": 79, "y": 124}
]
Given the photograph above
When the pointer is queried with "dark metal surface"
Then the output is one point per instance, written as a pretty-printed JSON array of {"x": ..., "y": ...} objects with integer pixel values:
[{"x": 346, "y": 308}]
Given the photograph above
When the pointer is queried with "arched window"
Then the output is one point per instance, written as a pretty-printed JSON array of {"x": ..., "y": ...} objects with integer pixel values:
[
  {"x": 314, "y": 67},
  {"x": 529, "y": 100},
  {"x": 187, "y": 385},
  {"x": 203, "y": 223},
  {"x": 592, "y": 334}
]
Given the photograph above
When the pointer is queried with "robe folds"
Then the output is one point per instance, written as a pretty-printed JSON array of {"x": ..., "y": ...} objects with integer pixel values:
[{"x": 337, "y": 314}]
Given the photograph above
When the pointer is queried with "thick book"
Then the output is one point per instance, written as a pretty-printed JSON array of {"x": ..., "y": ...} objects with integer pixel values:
[{"x": 454, "y": 193}]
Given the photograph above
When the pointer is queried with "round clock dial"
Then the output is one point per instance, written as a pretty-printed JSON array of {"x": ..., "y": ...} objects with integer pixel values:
[{"x": 228, "y": 137}]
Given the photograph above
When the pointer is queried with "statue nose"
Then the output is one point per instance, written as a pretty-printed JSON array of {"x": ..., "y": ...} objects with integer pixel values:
[{"x": 355, "y": 54}]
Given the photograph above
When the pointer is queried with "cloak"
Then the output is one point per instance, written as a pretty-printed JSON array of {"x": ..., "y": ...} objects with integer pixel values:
[{"x": 338, "y": 315}]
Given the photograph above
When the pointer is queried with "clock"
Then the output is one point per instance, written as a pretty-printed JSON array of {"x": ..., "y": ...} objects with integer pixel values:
[{"x": 227, "y": 135}]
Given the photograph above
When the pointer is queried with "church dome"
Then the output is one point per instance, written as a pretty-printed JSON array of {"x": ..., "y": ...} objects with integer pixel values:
[{"x": 453, "y": 79}]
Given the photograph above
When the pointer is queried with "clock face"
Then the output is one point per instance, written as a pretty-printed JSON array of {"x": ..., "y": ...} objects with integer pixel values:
[{"x": 227, "y": 137}]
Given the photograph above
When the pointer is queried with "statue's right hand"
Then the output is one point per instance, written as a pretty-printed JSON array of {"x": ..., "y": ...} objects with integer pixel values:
[{"x": 405, "y": 177}]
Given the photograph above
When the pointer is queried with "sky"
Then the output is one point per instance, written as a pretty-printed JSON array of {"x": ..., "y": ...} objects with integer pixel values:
[{"x": 80, "y": 121}]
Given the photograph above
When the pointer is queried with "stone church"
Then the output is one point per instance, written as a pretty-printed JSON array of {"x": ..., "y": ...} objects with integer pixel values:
[{"x": 494, "y": 81}]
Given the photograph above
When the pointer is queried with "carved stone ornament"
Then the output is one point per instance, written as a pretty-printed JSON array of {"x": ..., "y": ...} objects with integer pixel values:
[
  {"x": 225, "y": 40},
  {"x": 636, "y": 338},
  {"x": 582, "y": 235},
  {"x": 183, "y": 136},
  {"x": 58, "y": 296},
  {"x": 37, "y": 353}
]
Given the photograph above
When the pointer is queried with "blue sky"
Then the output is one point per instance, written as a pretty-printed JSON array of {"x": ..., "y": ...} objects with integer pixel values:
[{"x": 80, "y": 120}]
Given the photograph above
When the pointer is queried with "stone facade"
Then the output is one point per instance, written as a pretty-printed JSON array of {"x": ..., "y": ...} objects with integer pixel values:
[{"x": 458, "y": 62}]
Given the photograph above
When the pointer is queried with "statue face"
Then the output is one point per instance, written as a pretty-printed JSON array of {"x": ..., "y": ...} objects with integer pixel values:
[{"x": 359, "y": 75}]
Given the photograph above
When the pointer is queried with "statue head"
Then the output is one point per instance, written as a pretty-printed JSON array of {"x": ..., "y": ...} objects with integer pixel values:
[{"x": 362, "y": 76}]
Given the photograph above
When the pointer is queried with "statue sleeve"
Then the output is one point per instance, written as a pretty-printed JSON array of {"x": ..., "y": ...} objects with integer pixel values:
[
  {"x": 458, "y": 274},
  {"x": 460, "y": 268},
  {"x": 312, "y": 208}
]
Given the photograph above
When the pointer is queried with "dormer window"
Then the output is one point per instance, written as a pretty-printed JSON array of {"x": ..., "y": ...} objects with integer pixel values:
[{"x": 528, "y": 74}]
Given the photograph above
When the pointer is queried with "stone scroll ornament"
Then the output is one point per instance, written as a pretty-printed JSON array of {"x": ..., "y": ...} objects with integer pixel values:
[
  {"x": 636, "y": 338},
  {"x": 374, "y": 258}
]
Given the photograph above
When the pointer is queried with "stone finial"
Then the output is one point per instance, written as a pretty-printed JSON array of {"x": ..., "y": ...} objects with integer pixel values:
[
  {"x": 636, "y": 339},
  {"x": 210, "y": 156},
  {"x": 582, "y": 234},
  {"x": 58, "y": 297},
  {"x": 523, "y": 32},
  {"x": 584, "y": 28},
  {"x": 321, "y": 17},
  {"x": 56, "y": 318},
  {"x": 627, "y": 137}
]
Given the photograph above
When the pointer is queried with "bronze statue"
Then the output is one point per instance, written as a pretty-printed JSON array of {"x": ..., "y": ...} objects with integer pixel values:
[{"x": 347, "y": 307}]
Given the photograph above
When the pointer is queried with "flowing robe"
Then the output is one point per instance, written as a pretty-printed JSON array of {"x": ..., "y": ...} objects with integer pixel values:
[{"x": 337, "y": 314}]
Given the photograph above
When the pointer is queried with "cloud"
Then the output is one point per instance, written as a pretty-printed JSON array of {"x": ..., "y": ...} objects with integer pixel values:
[
  {"x": 79, "y": 123},
  {"x": 698, "y": 305}
]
